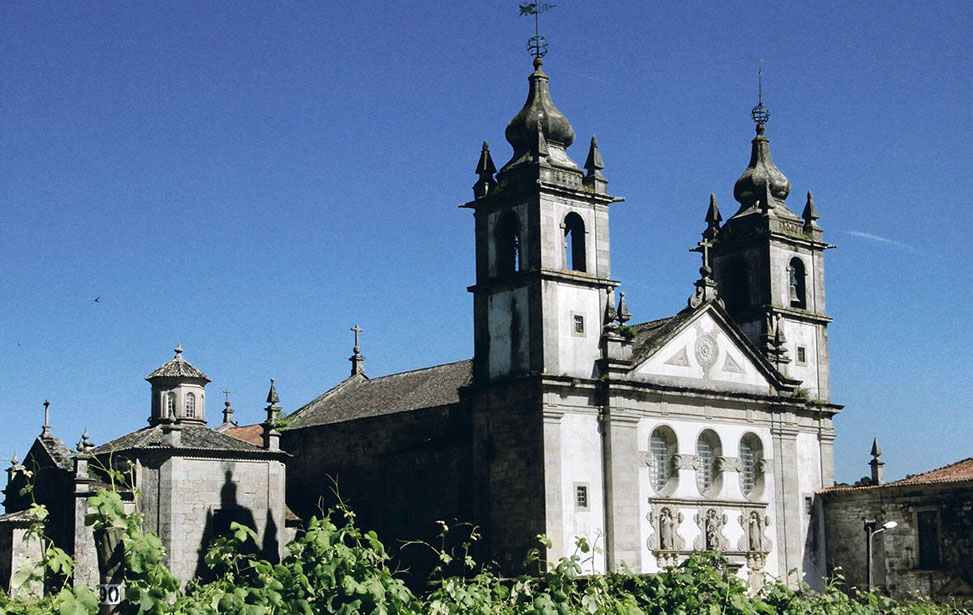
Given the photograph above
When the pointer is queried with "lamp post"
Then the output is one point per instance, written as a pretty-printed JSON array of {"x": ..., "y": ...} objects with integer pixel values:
[{"x": 870, "y": 530}]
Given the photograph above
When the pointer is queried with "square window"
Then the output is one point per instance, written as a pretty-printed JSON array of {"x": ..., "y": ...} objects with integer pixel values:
[
  {"x": 578, "y": 324},
  {"x": 581, "y": 496},
  {"x": 801, "y": 355}
]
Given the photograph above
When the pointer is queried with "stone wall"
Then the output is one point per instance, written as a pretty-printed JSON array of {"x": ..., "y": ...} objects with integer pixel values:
[
  {"x": 189, "y": 501},
  {"x": 896, "y": 557},
  {"x": 400, "y": 472},
  {"x": 15, "y": 553}
]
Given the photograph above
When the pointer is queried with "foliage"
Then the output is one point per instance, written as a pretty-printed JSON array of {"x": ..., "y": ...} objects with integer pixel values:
[{"x": 334, "y": 567}]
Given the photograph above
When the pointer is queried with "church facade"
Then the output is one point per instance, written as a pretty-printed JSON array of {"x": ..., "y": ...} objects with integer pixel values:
[{"x": 708, "y": 430}]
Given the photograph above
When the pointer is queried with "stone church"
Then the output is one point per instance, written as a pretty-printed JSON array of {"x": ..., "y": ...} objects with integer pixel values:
[{"x": 707, "y": 430}]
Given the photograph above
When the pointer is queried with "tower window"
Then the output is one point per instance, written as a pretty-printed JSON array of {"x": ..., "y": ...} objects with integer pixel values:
[
  {"x": 578, "y": 320},
  {"x": 801, "y": 355},
  {"x": 170, "y": 409},
  {"x": 662, "y": 447},
  {"x": 508, "y": 244},
  {"x": 707, "y": 452},
  {"x": 581, "y": 496},
  {"x": 797, "y": 290},
  {"x": 735, "y": 288},
  {"x": 190, "y": 406},
  {"x": 574, "y": 248}
]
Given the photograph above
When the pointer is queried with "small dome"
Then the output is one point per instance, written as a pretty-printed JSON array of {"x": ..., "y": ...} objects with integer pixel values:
[
  {"x": 177, "y": 367},
  {"x": 759, "y": 173},
  {"x": 522, "y": 130}
]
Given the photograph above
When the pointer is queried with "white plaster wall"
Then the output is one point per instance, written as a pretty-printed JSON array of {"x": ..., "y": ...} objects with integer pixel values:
[
  {"x": 809, "y": 464},
  {"x": 803, "y": 334},
  {"x": 576, "y": 353},
  {"x": 731, "y": 371},
  {"x": 500, "y": 313},
  {"x": 581, "y": 462}
]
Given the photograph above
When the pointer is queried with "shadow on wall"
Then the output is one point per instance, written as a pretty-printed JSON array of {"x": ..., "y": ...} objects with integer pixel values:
[{"x": 218, "y": 524}]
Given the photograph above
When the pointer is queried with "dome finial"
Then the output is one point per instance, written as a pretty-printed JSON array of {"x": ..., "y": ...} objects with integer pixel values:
[{"x": 762, "y": 177}]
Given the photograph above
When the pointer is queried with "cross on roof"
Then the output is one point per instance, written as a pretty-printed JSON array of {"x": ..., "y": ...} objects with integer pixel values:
[{"x": 357, "y": 331}]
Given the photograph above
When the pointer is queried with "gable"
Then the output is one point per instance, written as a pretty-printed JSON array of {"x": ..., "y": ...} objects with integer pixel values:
[{"x": 704, "y": 353}]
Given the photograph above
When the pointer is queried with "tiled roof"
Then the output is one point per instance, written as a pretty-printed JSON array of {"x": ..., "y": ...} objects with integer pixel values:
[
  {"x": 360, "y": 397},
  {"x": 958, "y": 472},
  {"x": 954, "y": 472},
  {"x": 254, "y": 434},
  {"x": 192, "y": 438}
]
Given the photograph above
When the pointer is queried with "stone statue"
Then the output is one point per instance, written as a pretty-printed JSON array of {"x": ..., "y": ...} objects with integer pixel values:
[
  {"x": 755, "y": 532},
  {"x": 667, "y": 530},
  {"x": 712, "y": 529}
]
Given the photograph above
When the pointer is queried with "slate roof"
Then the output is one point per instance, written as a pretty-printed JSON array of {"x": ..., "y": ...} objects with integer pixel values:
[
  {"x": 62, "y": 456},
  {"x": 650, "y": 336},
  {"x": 192, "y": 438},
  {"x": 361, "y": 397},
  {"x": 21, "y": 517},
  {"x": 177, "y": 368}
]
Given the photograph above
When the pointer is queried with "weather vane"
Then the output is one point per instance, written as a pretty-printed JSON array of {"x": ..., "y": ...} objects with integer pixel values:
[
  {"x": 760, "y": 113},
  {"x": 537, "y": 45}
]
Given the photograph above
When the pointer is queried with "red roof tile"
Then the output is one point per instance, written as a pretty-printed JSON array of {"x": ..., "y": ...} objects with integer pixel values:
[{"x": 254, "y": 434}]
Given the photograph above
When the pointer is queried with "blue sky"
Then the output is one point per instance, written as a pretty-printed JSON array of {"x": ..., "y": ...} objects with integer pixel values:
[{"x": 251, "y": 179}]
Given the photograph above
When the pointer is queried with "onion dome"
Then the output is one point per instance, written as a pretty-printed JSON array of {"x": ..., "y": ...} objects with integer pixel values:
[
  {"x": 177, "y": 367},
  {"x": 760, "y": 175},
  {"x": 538, "y": 115}
]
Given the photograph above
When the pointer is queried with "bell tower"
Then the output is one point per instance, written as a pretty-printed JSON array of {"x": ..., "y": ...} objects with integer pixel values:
[
  {"x": 542, "y": 249},
  {"x": 768, "y": 264}
]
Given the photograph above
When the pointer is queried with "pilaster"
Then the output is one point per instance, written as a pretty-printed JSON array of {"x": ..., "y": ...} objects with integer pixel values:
[{"x": 621, "y": 463}]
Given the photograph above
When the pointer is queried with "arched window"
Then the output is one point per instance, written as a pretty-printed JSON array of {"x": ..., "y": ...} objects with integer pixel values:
[
  {"x": 796, "y": 277},
  {"x": 170, "y": 409},
  {"x": 751, "y": 452},
  {"x": 190, "y": 406},
  {"x": 662, "y": 448},
  {"x": 707, "y": 452},
  {"x": 574, "y": 249},
  {"x": 508, "y": 244}
]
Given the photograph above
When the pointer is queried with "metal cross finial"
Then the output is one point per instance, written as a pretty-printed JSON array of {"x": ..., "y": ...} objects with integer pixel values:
[
  {"x": 537, "y": 44},
  {"x": 760, "y": 113},
  {"x": 226, "y": 394}
]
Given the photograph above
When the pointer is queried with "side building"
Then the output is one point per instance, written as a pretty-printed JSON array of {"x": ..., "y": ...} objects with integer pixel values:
[
  {"x": 928, "y": 551},
  {"x": 193, "y": 480}
]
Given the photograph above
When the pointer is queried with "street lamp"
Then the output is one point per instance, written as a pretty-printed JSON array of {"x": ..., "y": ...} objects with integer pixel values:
[{"x": 870, "y": 530}]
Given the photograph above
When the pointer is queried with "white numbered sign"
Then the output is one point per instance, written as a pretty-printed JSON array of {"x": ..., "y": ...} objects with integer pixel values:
[{"x": 110, "y": 593}]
